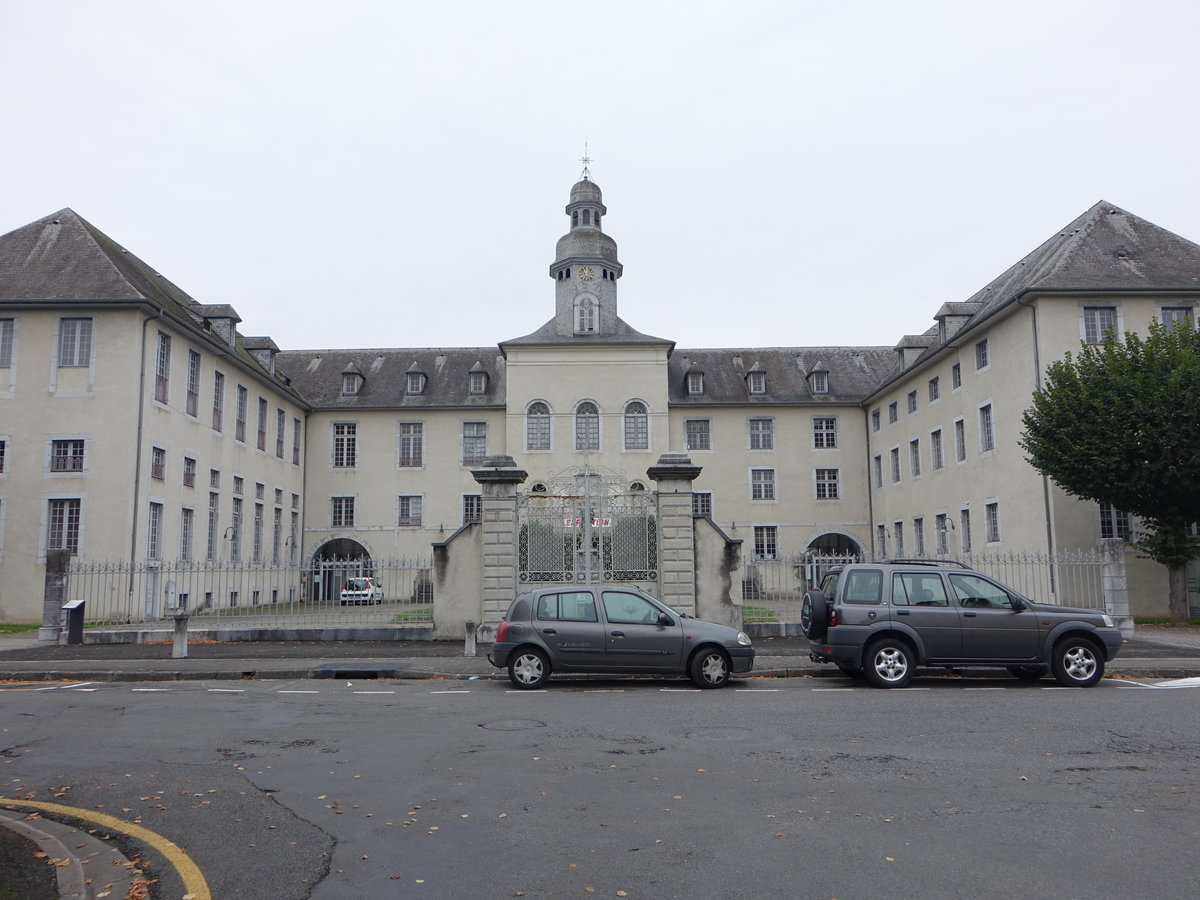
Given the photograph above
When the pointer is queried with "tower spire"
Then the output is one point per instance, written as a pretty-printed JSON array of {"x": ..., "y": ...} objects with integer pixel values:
[{"x": 586, "y": 175}]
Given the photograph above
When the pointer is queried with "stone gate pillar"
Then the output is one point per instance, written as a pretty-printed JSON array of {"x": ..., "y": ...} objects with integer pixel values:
[
  {"x": 674, "y": 475},
  {"x": 499, "y": 522},
  {"x": 1116, "y": 588}
]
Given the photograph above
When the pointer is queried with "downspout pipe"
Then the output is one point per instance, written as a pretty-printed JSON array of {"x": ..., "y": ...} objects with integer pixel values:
[
  {"x": 137, "y": 454},
  {"x": 1037, "y": 381}
]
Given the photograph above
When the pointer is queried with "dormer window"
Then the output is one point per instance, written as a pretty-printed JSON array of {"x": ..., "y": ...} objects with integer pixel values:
[
  {"x": 695, "y": 382},
  {"x": 478, "y": 382},
  {"x": 819, "y": 382},
  {"x": 351, "y": 382},
  {"x": 416, "y": 383},
  {"x": 757, "y": 382},
  {"x": 585, "y": 316}
]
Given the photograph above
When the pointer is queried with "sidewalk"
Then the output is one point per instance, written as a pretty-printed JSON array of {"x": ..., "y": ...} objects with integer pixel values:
[{"x": 1154, "y": 653}]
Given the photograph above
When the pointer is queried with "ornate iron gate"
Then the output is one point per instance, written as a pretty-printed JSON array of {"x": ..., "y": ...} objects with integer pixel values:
[{"x": 588, "y": 526}]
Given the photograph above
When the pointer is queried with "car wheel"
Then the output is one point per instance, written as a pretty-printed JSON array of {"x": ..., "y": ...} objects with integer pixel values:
[
  {"x": 1027, "y": 673},
  {"x": 890, "y": 663},
  {"x": 1077, "y": 662},
  {"x": 814, "y": 615},
  {"x": 850, "y": 671},
  {"x": 528, "y": 668},
  {"x": 710, "y": 668}
]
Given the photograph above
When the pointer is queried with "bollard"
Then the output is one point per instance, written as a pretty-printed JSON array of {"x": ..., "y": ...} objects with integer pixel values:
[
  {"x": 179, "y": 641},
  {"x": 470, "y": 647},
  {"x": 73, "y": 616}
]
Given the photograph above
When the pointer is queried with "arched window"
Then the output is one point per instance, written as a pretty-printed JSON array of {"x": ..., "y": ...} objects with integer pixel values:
[
  {"x": 587, "y": 426},
  {"x": 637, "y": 426},
  {"x": 585, "y": 316},
  {"x": 537, "y": 426},
  {"x": 587, "y": 217},
  {"x": 575, "y": 218}
]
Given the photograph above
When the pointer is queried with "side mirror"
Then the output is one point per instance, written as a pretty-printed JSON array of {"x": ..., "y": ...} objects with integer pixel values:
[
  {"x": 1017, "y": 603},
  {"x": 664, "y": 619}
]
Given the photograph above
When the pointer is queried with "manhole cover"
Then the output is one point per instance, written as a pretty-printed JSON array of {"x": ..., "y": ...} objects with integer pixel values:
[{"x": 512, "y": 725}]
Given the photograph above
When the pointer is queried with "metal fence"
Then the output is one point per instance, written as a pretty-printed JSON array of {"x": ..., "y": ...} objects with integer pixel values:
[
  {"x": 772, "y": 590},
  {"x": 249, "y": 595}
]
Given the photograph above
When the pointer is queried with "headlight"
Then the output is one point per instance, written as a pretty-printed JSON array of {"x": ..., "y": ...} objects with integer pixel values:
[
  {"x": 1107, "y": 619},
  {"x": 743, "y": 639}
]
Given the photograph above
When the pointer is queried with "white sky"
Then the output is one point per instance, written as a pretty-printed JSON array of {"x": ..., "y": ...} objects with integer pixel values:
[{"x": 364, "y": 173}]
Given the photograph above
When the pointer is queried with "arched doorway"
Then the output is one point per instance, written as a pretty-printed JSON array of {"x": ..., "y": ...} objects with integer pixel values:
[
  {"x": 825, "y": 551},
  {"x": 335, "y": 561}
]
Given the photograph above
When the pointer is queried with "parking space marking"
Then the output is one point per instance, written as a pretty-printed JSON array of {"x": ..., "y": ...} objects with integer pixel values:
[
  {"x": 227, "y": 690},
  {"x": 151, "y": 690},
  {"x": 375, "y": 692},
  {"x": 509, "y": 691},
  {"x": 756, "y": 690},
  {"x": 467, "y": 692},
  {"x": 832, "y": 690},
  {"x": 281, "y": 691},
  {"x": 603, "y": 690},
  {"x": 679, "y": 690},
  {"x": 986, "y": 689}
]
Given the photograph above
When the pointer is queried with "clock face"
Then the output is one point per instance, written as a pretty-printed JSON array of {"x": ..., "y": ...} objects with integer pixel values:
[{"x": 586, "y": 273}]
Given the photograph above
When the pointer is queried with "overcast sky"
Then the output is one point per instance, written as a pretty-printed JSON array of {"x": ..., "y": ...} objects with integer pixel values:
[{"x": 364, "y": 173}]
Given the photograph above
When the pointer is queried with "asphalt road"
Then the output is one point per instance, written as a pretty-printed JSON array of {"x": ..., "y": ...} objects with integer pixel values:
[{"x": 811, "y": 788}]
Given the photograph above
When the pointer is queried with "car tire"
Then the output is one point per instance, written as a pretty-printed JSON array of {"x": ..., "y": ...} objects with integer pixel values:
[
  {"x": 710, "y": 668},
  {"x": 1077, "y": 662},
  {"x": 890, "y": 663},
  {"x": 528, "y": 668},
  {"x": 814, "y": 615},
  {"x": 1028, "y": 673},
  {"x": 850, "y": 671}
]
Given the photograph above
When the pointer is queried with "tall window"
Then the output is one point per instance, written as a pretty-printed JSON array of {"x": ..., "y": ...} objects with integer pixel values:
[
  {"x": 936, "y": 460},
  {"x": 62, "y": 531},
  {"x": 898, "y": 537},
  {"x": 585, "y": 316},
  {"x": 67, "y": 455},
  {"x": 257, "y": 545},
  {"x": 956, "y": 376},
  {"x": 294, "y": 539},
  {"x": 345, "y": 445},
  {"x": 1172, "y": 317},
  {"x": 762, "y": 484},
  {"x": 218, "y": 409},
  {"x": 874, "y": 420},
  {"x": 276, "y": 536},
  {"x": 412, "y": 445},
  {"x": 637, "y": 426},
  {"x": 827, "y": 484},
  {"x": 1097, "y": 322},
  {"x": 919, "y": 535},
  {"x": 987, "y": 439},
  {"x": 960, "y": 440},
  {"x": 240, "y": 413},
  {"x": 158, "y": 463},
  {"x": 877, "y": 468},
  {"x": 964, "y": 530},
  {"x": 537, "y": 426},
  {"x": 981, "y": 354},
  {"x": 235, "y": 530},
  {"x": 912, "y": 402},
  {"x": 992, "y": 514},
  {"x": 186, "y": 517},
  {"x": 939, "y": 534},
  {"x": 914, "y": 457},
  {"x": 409, "y": 510},
  {"x": 895, "y": 457},
  {"x": 766, "y": 541},
  {"x": 702, "y": 503},
  {"x": 474, "y": 443},
  {"x": 262, "y": 424},
  {"x": 6, "y": 343},
  {"x": 295, "y": 442},
  {"x": 935, "y": 389},
  {"x": 762, "y": 434},
  {"x": 280, "y": 428},
  {"x": 213, "y": 504},
  {"x": 3, "y": 446},
  {"x": 75, "y": 342},
  {"x": 893, "y": 414},
  {"x": 472, "y": 508},
  {"x": 825, "y": 432},
  {"x": 697, "y": 434},
  {"x": 341, "y": 512},
  {"x": 162, "y": 369},
  {"x": 587, "y": 426},
  {"x": 881, "y": 539},
  {"x": 192, "y": 402},
  {"x": 154, "y": 531},
  {"x": 1114, "y": 523}
]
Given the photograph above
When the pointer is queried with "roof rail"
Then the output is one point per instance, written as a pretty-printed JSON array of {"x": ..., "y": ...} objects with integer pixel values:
[{"x": 925, "y": 562}]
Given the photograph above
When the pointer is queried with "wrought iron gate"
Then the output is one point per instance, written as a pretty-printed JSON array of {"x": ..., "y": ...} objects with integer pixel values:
[{"x": 588, "y": 526}]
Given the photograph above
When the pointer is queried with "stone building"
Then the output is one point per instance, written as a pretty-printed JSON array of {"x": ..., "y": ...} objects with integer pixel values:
[{"x": 137, "y": 423}]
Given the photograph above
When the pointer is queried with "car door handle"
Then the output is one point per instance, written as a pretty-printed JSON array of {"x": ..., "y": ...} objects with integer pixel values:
[
  {"x": 969, "y": 615},
  {"x": 902, "y": 612},
  {"x": 549, "y": 631},
  {"x": 618, "y": 634}
]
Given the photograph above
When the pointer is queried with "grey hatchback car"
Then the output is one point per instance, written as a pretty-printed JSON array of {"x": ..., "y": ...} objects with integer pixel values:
[
  {"x": 612, "y": 628},
  {"x": 880, "y": 621}
]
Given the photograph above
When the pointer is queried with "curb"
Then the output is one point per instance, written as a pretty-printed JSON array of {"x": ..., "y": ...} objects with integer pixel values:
[{"x": 53, "y": 839}]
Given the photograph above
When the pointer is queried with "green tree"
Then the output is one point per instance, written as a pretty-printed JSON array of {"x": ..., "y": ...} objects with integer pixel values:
[{"x": 1120, "y": 424}]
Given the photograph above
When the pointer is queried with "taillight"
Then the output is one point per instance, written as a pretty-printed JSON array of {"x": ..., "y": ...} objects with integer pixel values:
[
  {"x": 503, "y": 629},
  {"x": 833, "y": 617}
]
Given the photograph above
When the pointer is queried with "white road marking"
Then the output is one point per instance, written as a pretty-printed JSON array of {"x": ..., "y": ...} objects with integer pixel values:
[
  {"x": 986, "y": 689},
  {"x": 756, "y": 690},
  {"x": 603, "y": 691},
  {"x": 467, "y": 692},
  {"x": 227, "y": 690},
  {"x": 64, "y": 687},
  {"x": 373, "y": 692},
  {"x": 510, "y": 691},
  {"x": 833, "y": 690},
  {"x": 151, "y": 690},
  {"x": 297, "y": 692},
  {"x": 1062, "y": 688},
  {"x": 679, "y": 690}
]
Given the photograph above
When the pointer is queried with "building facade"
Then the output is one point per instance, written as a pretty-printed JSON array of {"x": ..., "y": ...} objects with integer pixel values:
[{"x": 138, "y": 424}]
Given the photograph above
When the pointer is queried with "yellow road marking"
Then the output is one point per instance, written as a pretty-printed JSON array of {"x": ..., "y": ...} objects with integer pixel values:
[{"x": 194, "y": 885}]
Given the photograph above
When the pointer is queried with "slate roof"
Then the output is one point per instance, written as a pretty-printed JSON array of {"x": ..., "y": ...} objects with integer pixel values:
[
  {"x": 63, "y": 258},
  {"x": 317, "y": 375},
  {"x": 854, "y": 372},
  {"x": 623, "y": 334}
]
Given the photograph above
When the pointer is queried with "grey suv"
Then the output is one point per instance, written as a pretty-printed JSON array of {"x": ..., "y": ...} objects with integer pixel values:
[
  {"x": 612, "y": 628},
  {"x": 882, "y": 620}
]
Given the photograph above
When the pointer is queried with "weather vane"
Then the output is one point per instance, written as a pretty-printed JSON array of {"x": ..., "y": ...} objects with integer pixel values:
[{"x": 587, "y": 161}]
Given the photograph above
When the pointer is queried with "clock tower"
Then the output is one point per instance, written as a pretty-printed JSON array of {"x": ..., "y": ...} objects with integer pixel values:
[{"x": 585, "y": 268}]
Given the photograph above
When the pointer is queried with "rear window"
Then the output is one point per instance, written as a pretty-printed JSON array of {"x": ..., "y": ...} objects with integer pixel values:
[
  {"x": 862, "y": 586},
  {"x": 570, "y": 606}
]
